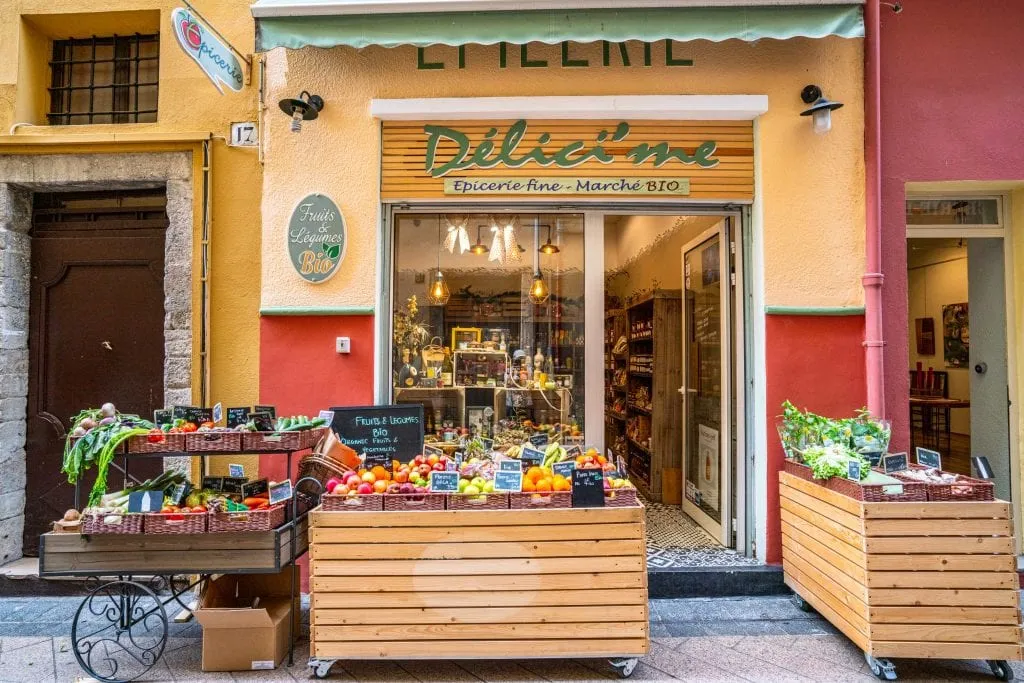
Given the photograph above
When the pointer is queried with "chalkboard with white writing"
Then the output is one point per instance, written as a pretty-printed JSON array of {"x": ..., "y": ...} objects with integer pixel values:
[
  {"x": 381, "y": 433},
  {"x": 588, "y": 488}
]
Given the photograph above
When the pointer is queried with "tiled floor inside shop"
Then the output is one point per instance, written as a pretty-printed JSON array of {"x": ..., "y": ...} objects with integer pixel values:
[{"x": 676, "y": 541}]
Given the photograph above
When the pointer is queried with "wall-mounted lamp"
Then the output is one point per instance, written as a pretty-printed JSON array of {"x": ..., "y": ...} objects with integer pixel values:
[
  {"x": 305, "y": 107},
  {"x": 479, "y": 248},
  {"x": 549, "y": 247},
  {"x": 821, "y": 109}
]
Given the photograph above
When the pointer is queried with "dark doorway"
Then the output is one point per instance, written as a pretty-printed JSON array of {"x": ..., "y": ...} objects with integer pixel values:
[{"x": 96, "y": 329}]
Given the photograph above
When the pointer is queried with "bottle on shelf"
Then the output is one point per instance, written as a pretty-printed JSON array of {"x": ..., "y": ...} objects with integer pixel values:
[{"x": 447, "y": 369}]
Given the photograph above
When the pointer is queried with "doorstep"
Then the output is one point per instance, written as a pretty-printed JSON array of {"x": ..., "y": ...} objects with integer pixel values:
[{"x": 716, "y": 582}]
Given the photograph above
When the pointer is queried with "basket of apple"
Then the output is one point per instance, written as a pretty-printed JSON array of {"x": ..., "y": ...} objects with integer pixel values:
[
  {"x": 362, "y": 490},
  {"x": 619, "y": 492},
  {"x": 476, "y": 488},
  {"x": 409, "y": 488}
]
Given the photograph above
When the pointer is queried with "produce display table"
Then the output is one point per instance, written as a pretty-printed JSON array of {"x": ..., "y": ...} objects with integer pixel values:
[
  {"x": 919, "y": 580},
  {"x": 478, "y": 584},
  {"x": 121, "y": 627}
]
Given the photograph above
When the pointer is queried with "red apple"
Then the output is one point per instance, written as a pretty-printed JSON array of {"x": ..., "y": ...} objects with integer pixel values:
[
  {"x": 439, "y": 467},
  {"x": 424, "y": 470},
  {"x": 332, "y": 484},
  {"x": 432, "y": 460},
  {"x": 353, "y": 481},
  {"x": 364, "y": 489}
]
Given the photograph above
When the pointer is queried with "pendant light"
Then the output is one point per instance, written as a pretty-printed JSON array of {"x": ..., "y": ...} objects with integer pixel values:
[
  {"x": 438, "y": 294},
  {"x": 479, "y": 248},
  {"x": 549, "y": 247},
  {"x": 539, "y": 291}
]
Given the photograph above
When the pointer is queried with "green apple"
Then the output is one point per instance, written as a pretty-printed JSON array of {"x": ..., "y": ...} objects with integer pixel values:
[
  {"x": 471, "y": 490},
  {"x": 463, "y": 483},
  {"x": 489, "y": 487},
  {"x": 479, "y": 483}
]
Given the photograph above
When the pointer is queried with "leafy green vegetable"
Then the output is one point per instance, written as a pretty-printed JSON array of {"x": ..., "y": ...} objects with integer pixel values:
[
  {"x": 833, "y": 461},
  {"x": 120, "y": 434}
]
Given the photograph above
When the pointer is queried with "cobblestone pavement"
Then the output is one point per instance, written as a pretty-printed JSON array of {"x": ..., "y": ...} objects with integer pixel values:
[{"x": 724, "y": 639}]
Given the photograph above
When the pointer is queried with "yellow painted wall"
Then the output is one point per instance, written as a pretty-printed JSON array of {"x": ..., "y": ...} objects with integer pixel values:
[
  {"x": 812, "y": 186},
  {"x": 188, "y": 103}
]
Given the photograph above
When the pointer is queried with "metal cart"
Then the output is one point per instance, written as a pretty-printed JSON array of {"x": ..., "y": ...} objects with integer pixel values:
[{"x": 120, "y": 630}]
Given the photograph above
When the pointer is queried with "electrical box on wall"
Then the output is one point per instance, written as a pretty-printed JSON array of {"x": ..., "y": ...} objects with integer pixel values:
[{"x": 343, "y": 345}]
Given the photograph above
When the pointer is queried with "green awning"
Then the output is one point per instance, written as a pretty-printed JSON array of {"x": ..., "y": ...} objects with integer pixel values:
[{"x": 553, "y": 26}]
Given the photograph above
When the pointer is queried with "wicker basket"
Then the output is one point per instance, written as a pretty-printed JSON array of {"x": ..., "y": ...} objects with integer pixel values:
[
  {"x": 966, "y": 488},
  {"x": 251, "y": 520},
  {"x": 126, "y": 523},
  {"x": 219, "y": 442},
  {"x": 869, "y": 493},
  {"x": 277, "y": 442},
  {"x": 411, "y": 502},
  {"x": 312, "y": 437},
  {"x": 321, "y": 468},
  {"x": 481, "y": 501},
  {"x": 176, "y": 523},
  {"x": 529, "y": 500},
  {"x": 368, "y": 502},
  {"x": 170, "y": 443},
  {"x": 621, "y": 498}
]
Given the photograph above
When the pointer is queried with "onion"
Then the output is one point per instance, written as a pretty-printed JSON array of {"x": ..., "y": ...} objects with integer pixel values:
[
  {"x": 71, "y": 515},
  {"x": 107, "y": 421},
  {"x": 87, "y": 424},
  {"x": 78, "y": 432},
  {"x": 108, "y": 410}
]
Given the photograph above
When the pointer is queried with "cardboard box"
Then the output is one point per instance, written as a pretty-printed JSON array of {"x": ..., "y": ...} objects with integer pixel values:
[{"x": 245, "y": 621}]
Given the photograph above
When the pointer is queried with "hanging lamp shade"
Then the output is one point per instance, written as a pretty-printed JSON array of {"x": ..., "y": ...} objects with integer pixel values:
[
  {"x": 539, "y": 291},
  {"x": 438, "y": 293}
]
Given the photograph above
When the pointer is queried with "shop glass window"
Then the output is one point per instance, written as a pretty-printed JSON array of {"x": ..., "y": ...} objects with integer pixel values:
[
  {"x": 109, "y": 79},
  {"x": 495, "y": 358},
  {"x": 954, "y": 211}
]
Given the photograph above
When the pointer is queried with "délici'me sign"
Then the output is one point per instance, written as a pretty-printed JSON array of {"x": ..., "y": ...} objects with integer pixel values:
[{"x": 316, "y": 238}]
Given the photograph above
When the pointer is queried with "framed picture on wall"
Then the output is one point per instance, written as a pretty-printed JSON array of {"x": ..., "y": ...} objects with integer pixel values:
[
  {"x": 956, "y": 335},
  {"x": 924, "y": 329}
]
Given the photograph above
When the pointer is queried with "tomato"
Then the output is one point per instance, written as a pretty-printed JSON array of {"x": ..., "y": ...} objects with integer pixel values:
[
  {"x": 155, "y": 435},
  {"x": 208, "y": 425},
  {"x": 188, "y": 427}
]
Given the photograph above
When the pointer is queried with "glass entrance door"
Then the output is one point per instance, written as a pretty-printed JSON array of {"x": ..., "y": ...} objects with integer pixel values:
[{"x": 708, "y": 444}]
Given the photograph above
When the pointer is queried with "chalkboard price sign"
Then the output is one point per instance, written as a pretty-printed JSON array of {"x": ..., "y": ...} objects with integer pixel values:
[
  {"x": 266, "y": 409},
  {"x": 565, "y": 468},
  {"x": 444, "y": 482},
  {"x": 213, "y": 483},
  {"x": 531, "y": 457},
  {"x": 510, "y": 465},
  {"x": 381, "y": 433},
  {"x": 162, "y": 417},
  {"x": 897, "y": 462},
  {"x": 853, "y": 470},
  {"x": 233, "y": 484},
  {"x": 237, "y": 416},
  {"x": 505, "y": 480},
  {"x": 432, "y": 450},
  {"x": 539, "y": 440},
  {"x": 588, "y": 488},
  {"x": 929, "y": 458},
  {"x": 255, "y": 488}
]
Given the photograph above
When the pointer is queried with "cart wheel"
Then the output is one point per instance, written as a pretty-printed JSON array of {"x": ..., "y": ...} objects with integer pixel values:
[
  {"x": 1000, "y": 669},
  {"x": 119, "y": 631},
  {"x": 321, "y": 667},
  {"x": 883, "y": 668},
  {"x": 802, "y": 604},
  {"x": 626, "y": 666}
]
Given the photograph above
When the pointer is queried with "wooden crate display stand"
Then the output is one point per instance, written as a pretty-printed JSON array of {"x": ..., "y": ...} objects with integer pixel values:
[
  {"x": 458, "y": 584},
  {"x": 919, "y": 580}
]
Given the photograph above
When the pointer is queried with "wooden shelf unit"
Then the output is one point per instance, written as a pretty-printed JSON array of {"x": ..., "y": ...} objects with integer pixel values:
[
  {"x": 614, "y": 327},
  {"x": 663, "y": 458}
]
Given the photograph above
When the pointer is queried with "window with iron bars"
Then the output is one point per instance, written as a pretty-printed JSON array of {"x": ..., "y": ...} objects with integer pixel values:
[{"x": 109, "y": 79}]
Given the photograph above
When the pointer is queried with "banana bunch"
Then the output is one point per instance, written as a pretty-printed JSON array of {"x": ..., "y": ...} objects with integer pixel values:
[
  {"x": 514, "y": 451},
  {"x": 553, "y": 453}
]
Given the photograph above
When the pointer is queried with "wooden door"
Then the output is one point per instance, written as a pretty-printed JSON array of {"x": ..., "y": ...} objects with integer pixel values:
[{"x": 96, "y": 331}]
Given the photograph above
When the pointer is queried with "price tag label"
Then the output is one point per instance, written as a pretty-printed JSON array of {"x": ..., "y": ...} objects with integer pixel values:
[
  {"x": 213, "y": 483},
  {"x": 145, "y": 501},
  {"x": 280, "y": 491},
  {"x": 488, "y": 444},
  {"x": 254, "y": 489},
  {"x": 573, "y": 452},
  {"x": 929, "y": 458},
  {"x": 587, "y": 489},
  {"x": 897, "y": 462},
  {"x": 853, "y": 470},
  {"x": 236, "y": 471},
  {"x": 270, "y": 410},
  {"x": 162, "y": 416},
  {"x": 432, "y": 450},
  {"x": 507, "y": 480},
  {"x": 565, "y": 468},
  {"x": 444, "y": 482},
  {"x": 217, "y": 413},
  {"x": 539, "y": 440},
  {"x": 327, "y": 416},
  {"x": 459, "y": 457},
  {"x": 531, "y": 457},
  {"x": 263, "y": 421},
  {"x": 510, "y": 465},
  {"x": 237, "y": 416},
  {"x": 232, "y": 484},
  {"x": 179, "y": 492}
]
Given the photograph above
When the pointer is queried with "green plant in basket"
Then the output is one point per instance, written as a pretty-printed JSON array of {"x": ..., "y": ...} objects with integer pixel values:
[{"x": 832, "y": 460}]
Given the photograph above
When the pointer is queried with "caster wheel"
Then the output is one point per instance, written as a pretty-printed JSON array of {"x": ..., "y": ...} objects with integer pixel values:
[
  {"x": 321, "y": 668},
  {"x": 802, "y": 604},
  {"x": 883, "y": 669},
  {"x": 626, "y": 667},
  {"x": 1001, "y": 669}
]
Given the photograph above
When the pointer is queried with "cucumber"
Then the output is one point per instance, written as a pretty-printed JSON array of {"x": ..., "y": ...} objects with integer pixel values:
[{"x": 318, "y": 422}]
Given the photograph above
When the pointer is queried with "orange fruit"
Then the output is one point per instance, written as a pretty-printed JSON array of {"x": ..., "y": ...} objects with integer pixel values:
[
  {"x": 528, "y": 485},
  {"x": 544, "y": 485},
  {"x": 380, "y": 486},
  {"x": 534, "y": 473},
  {"x": 380, "y": 473},
  {"x": 562, "y": 484}
]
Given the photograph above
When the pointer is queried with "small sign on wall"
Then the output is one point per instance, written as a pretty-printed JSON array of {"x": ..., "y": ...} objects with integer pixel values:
[
  {"x": 316, "y": 238},
  {"x": 244, "y": 134}
]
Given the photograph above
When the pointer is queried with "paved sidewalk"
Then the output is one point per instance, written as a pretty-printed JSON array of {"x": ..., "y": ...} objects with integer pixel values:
[{"x": 723, "y": 639}]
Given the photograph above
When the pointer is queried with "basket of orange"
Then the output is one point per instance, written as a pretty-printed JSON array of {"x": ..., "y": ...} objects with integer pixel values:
[{"x": 542, "y": 489}]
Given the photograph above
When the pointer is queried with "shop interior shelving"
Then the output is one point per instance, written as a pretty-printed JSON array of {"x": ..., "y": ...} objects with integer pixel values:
[
  {"x": 654, "y": 406},
  {"x": 614, "y": 395}
]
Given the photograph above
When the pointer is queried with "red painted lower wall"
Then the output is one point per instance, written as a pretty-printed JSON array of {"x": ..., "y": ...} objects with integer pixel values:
[
  {"x": 817, "y": 362},
  {"x": 301, "y": 373}
]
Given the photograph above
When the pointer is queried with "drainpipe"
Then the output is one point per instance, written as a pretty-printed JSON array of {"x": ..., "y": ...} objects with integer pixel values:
[{"x": 873, "y": 332}]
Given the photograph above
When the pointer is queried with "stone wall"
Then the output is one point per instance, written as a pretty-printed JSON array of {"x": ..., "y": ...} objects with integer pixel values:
[{"x": 20, "y": 176}]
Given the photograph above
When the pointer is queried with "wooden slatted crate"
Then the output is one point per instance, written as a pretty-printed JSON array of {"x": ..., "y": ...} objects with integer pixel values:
[
  {"x": 921, "y": 580},
  {"x": 453, "y": 584}
]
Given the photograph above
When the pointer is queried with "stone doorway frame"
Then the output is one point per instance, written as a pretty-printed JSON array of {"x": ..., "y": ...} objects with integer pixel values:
[{"x": 20, "y": 177}]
